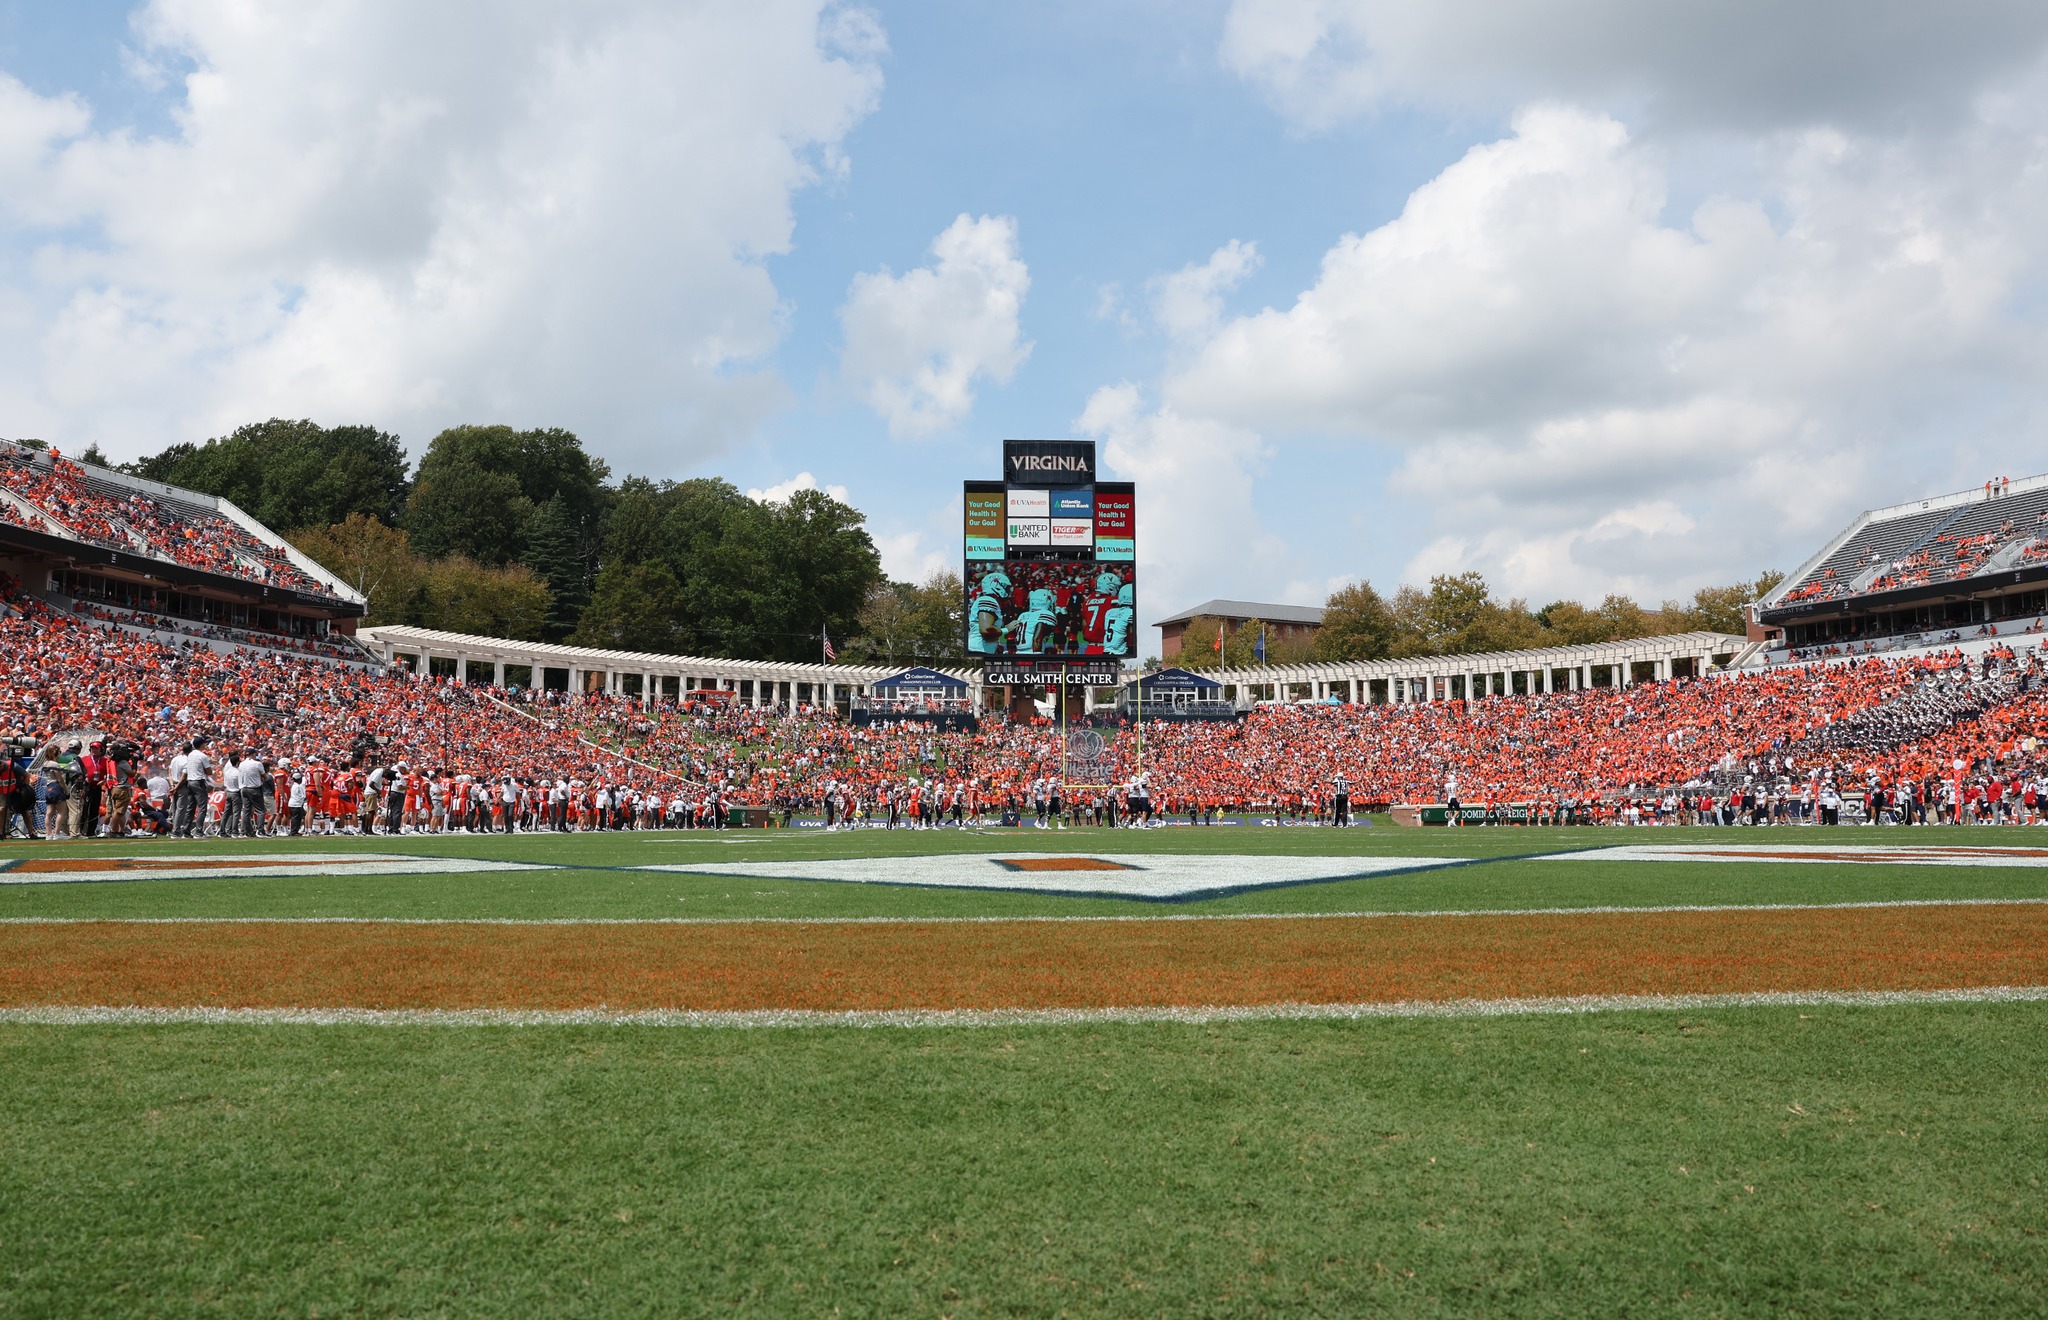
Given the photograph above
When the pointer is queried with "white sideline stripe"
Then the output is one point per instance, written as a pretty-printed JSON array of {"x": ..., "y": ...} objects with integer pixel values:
[
  {"x": 262, "y": 866},
  {"x": 1813, "y": 854},
  {"x": 1607, "y": 909},
  {"x": 1020, "y": 1017}
]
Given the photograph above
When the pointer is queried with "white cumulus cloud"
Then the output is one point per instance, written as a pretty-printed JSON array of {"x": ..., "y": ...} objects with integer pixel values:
[
  {"x": 1591, "y": 388},
  {"x": 1188, "y": 304},
  {"x": 537, "y": 213},
  {"x": 781, "y": 491},
  {"x": 917, "y": 343},
  {"x": 1198, "y": 534}
]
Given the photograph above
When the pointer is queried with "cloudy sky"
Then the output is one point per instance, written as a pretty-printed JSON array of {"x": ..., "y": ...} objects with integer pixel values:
[{"x": 1587, "y": 295}]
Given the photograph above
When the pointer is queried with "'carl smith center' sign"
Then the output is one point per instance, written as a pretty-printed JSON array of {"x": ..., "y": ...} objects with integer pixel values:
[{"x": 1049, "y": 462}]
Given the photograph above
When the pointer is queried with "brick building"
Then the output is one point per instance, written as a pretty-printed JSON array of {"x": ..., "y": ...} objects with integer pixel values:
[{"x": 1283, "y": 622}]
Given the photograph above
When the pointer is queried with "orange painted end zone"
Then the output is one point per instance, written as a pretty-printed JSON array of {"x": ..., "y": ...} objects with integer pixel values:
[
  {"x": 1060, "y": 864},
  {"x": 1018, "y": 965}
]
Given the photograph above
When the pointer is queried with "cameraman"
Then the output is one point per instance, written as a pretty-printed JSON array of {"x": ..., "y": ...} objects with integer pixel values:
[
  {"x": 17, "y": 788},
  {"x": 81, "y": 795}
]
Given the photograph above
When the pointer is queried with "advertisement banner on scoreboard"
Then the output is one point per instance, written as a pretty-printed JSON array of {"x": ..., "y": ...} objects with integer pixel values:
[
  {"x": 1051, "y": 608},
  {"x": 1030, "y": 532},
  {"x": 985, "y": 510},
  {"x": 1115, "y": 522}
]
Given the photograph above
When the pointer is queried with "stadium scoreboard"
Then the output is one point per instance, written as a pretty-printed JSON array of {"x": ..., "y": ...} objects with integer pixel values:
[{"x": 1050, "y": 558}]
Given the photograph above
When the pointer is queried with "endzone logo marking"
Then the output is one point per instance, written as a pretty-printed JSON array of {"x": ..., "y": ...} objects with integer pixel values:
[{"x": 1156, "y": 877}]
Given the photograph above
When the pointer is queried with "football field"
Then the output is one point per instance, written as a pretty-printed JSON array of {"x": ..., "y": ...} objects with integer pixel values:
[{"x": 1190, "y": 1071}]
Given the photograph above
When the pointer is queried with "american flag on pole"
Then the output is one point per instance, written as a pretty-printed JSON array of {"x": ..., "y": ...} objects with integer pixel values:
[{"x": 826, "y": 637}]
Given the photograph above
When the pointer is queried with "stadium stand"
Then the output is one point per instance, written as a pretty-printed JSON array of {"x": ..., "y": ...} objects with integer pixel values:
[
  {"x": 1878, "y": 731},
  {"x": 137, "y": 622},
  {"x": 112, "y": 510},
  {"x": 1967, "y": 564},
  {"x": 154, "y": 560}
]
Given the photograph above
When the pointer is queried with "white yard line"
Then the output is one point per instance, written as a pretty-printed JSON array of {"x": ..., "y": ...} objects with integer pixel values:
[{"x": 1449, "y": 1008}]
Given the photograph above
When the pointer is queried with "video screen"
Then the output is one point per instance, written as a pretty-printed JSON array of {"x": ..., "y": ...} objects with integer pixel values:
[{"x": 1047, "y": 608}]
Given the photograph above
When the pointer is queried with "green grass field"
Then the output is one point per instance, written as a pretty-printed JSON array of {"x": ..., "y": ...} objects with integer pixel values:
[
  {"x": 602, "y": 887},
  {"x": 1727, "y": 1161}
]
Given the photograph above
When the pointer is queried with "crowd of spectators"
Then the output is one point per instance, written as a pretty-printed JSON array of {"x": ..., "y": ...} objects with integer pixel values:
[
  {"x": 245, "y": 637},
  {"x": 134, "y": 522},
  {"x": 1891, "y": 554},
  {"x": 1786, "y": 742}
]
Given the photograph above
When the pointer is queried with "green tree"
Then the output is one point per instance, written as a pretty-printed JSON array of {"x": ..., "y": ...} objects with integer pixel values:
[
  {"x": 292, "y": 473},
  {"x": 887, "y": 626},
  {"x": 466, "y": 497},
  {"x": 823, "y": 564},
  {"x": 1720, "y": 609},
  {"x": 635, "y": 607},
  {"x": 1358, "y": 624},
  {"x": 479, "y": 487},
  {"x": 714, "y": 539},
  {"x": 634, "y": 531},
  {"x": 552, "y": 464},
  {"x": 759, "y": 581},
  {"x": 464, "y": 508},
  {"x": 1569, "y": 623},
  {"x": 1625, "y": 618},
  {"x": 1455, "y": 603},
  {"x": 1496, "y": 627},
  {"x": 460, "y": 595},
  {"x": 374, "y": 559},
  {"x": 1410, "y": 608},
  {"x": 554, "y": 550},
  {"x": 902, "y": 624},
  {"x": 454, "y": 592},
  {"x": 1240, "y": 646},
  {"x": 941, "y": 616}
]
